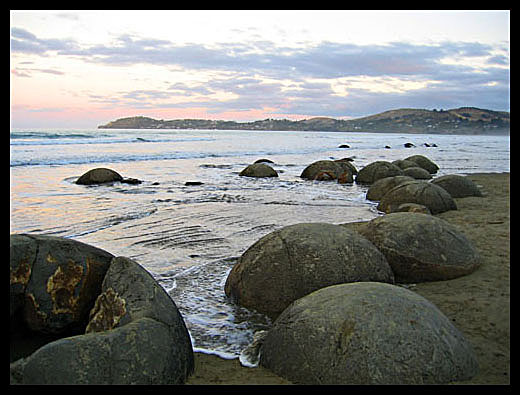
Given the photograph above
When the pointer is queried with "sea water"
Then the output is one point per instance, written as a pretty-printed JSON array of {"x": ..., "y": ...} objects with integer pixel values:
[{"x": 190, "y": 236}]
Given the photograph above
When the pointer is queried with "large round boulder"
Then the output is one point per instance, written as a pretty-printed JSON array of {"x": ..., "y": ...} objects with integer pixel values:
[
  {"x": 324, "y": 170},
  {"x": 133, "y": 332},
  {"x": 457, "y": 186},
  {"x": 424, "y": 162},
  {"x": 420, "y": 247},
  {"x": 420, "y": 192},
  {"x": 378, "y": 189},
  {"x": 259, "y": 170},
  {"x": 100, "y": 175},
  {"x": 347, "y": 165},
  {"x": 377, "y": 170},
  {"x": 366, "y": 333},
  {"x": 54, "y": 281},
  {"x": 293, "y": 261}
]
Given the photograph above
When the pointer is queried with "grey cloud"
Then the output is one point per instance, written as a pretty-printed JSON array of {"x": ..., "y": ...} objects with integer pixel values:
[{"x": 249, "y": 63}]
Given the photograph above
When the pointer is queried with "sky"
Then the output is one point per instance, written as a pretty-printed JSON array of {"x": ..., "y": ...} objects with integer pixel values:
[{"x": 81, "y": 69}]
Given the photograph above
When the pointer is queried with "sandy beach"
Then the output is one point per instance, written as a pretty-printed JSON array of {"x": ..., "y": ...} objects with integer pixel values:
[{"x": 478, "y": 304}]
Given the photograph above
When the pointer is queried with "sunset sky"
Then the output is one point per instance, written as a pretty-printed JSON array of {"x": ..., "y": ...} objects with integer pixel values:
[{"x": 80, "y": 69}]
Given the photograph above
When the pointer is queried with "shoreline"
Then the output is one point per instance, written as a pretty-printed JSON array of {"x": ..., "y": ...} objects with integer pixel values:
[{"x": 478, "y": 303}]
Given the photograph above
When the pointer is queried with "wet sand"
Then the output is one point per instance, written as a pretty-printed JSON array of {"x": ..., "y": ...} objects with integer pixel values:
[{"x": 478, "y": 304}]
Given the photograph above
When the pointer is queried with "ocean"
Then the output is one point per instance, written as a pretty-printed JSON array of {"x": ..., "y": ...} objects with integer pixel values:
[{"x": 190, "y": 236}]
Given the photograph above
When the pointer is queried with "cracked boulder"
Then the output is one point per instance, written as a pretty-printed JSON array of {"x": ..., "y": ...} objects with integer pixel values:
[
  {"x": 458, "y": 186},
  {"x": 420, "y": 192},
  {"x": 54, "y": 281},
  {"x": 99, "y": 319},
  {"x": 366, "y": 333},
  {"x": 421, "y": 247},
  {"x": 298, "y": 259}
]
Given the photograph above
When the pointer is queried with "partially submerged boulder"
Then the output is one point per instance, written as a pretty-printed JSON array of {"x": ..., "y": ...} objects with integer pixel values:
[
  {"x": 99, "y": 175},
  {"x": 421, "y": 247},
  {"x": 424, "y": 162},
  {"x": 258, "y": 170},
  {"x": 420, "y": 192},
  {"x": 457, "y": 186},
  {"x": 366, "y": 333},
  {"x": 377, "y": 170},
  {"x": 132, "y": 333},
  {"x": 293, "y": 261},
  {"x": 324, "y": 170}
]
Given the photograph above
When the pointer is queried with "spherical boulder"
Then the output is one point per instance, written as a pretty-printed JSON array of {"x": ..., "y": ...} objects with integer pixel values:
[
  {"x": 293, "y": 261},
  {"x": 347, "y": 165},
  {"x": 420, "y": 247},
  {"x": 317, "y": 170},
  {"x": 135, "y": 335},
  {"x": 57, "y": 279},
  {"x": 366, "y": 333},
  {"x": 457, "y": 186},
  {"x": 420, "y": 192},
  {"x": 259, "y": 170},
  {"x": 383, "y": 185},
  {"x": 417, "y": 172},
  {"x": 424, "y": 162},
  {"x": 99, "y": 176},
  {"x": 377, "y": 170}
]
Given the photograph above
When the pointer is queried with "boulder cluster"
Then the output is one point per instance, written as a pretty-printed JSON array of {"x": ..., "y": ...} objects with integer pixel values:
[
  {"x": 335, "y": 292},
  {"x": 80, "y": 315}
]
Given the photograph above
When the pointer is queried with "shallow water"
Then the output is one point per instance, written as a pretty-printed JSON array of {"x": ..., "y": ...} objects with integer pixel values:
[{"x": 189, "y": 237}]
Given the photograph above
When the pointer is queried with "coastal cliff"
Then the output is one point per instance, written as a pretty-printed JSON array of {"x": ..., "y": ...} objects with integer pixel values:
[{"x": 463, "y": 120}]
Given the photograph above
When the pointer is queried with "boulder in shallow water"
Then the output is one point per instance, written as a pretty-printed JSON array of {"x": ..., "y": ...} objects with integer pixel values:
[
  {"x": 316, "y": 170},
  {"x": 421, "y": 247},
  {"x": 100, "y": 175},
  {"x": 457, "y": 186},
  {"x": 258, "y": 170},
  {"x": 293, "y": 261},
  {"x": 420, "y": 192},
  {"x": 366, "y": 333}
]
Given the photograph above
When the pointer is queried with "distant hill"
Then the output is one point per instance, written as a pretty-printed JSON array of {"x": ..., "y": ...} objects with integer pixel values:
[{"x": 463, "y": 120}]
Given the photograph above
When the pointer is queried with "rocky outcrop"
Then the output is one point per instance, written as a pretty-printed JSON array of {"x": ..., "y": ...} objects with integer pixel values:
[
  {"x": 421, "y": 192},
  {"x": 366, "y": 333},
  {"x": 293, "y": 261},
  {"x": 258, "y": 170},
  {"x": 457, "y": 186},
  {"x": 377, "y": 170},
  {"x": 421, "y": 247},
  {"x": 129, "y": 330}
]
